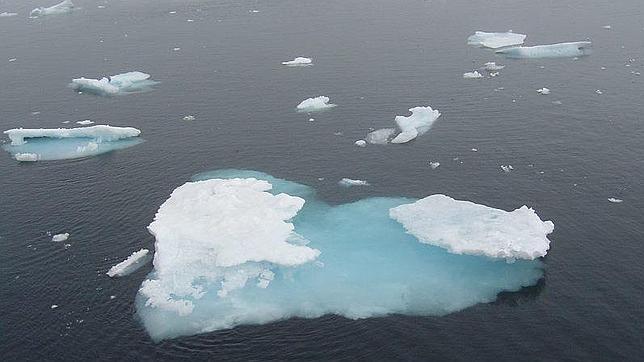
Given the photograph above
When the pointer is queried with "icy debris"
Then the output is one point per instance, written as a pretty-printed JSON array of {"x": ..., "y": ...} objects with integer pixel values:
[
  {"x": 607, "y": 27},
  {"x": 418, "y": 123},
  {"x": 60, "y": 237},
  {"x": 475, "y": 150},
  {"x": 85, "y": 122},
  {"x": 311, "y": 119},
  {"x": 463, "y": 227},
  {"x": 11, "y": 60},
  {"x": 299, "y": 62},
  {"x": 434, "y": 165},
  {"x": 543, "y": 91},
  {"x": 360, "y": 143},
  {"x": 19, "y": 136},
  {"x": 472, "y": 75},
  {"x": 614, "y": 200},
  {"x": 495, "y": 40},
  {"x": 315, "y": 104},
  {"x": 380, "y": 136},
  {"x": 6, "y": 14},
  {"x": 26, "y": 157},
  {"x": 494, "y": 74},
  {"x": 62, "y": 8},
  {"x": 492, "y": 66},
  {"x": 189, "y": 118},
  {"x": 347, "y": 182},
  {"x": 599, "y": 91},
  {"x": 53, "y": 306},
  {"x": 507, "y": 168},
  {"x": 129, "y": 265},
  {"x": 559, "y": 50},
  {"x": 124, "y": 83}
]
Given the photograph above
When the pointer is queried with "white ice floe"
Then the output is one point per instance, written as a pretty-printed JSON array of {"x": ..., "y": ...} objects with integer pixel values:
[
  {"x": 53, "y": 306},
  {"x": 614, "y": 200},
  {"x": 418, "y": 123},
  {"x": 189, "y": 118},
  {"x": 62, "y": 8},
  {"x": 222, "y": 232},
  {"x": 85, "y": 122},
  {"x": 315, "y": 104},
  {"x": 299, "y": 62},
  {"x": 19, "y": 136},
  {"x": 599, "y": 91},
  {"x": 26, "y": 157},
  {"x": 129, "y": 265},
  {"x": 7, "y": 14},
  {"x": 495, "y": 40},
  {"x": 543, "y": 91},
  {"x": 360, "y": 143},
  {"x": 434, "y": 165},
  {"x": 507, "y": 168},
  {"x": 463, "y": 227},
  {"x": 559, "y": 50},
  {"x": 381, "y": 136},
  {"x": 129, "y": 82},
  {"x": 347, "y": 182},
  {"x": 492, "y": 66},
  {"x": 472, "y": 75},
  {"x": 60, "y": 237},
  {"x": 607, "y": 27}
]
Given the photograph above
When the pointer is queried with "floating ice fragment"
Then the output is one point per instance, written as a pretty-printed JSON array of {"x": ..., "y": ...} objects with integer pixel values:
[
  {"x": 507, "y": 168},
  {"x": 472, "y": 75},
  {"x": 129, "y": 265},
  {"x": 614, "y": 200},
  {"x": 560, "y": 50},
  {"x": 189, "y": 118},
  {"x": 380, "y": 136},
  {"x": 60, "y": 237},
  {"x": 311, "y": 119},
  {"x": 85, "y": 122},
  {"x": 62, "y": 8},
  {"x": 26, "y": 157},
  {"x": 475, "y": 150},
  {"x": 347, "y": 182},
  {"x": 299, "y": 62},
  {"x": 494, "y": 74},
  {"x": 607, "y": 27},
  {"x": 11, "y": 60},
  {"x": 434, "y": 165},
  {"x": 492, "y": 66},
  {"x": 495, "y": 40},
  {"x": 418, "y": 123},
  {"x": 315, "y": 104},
  {"x": 599, "y": 91},
  {"x": 543, "y": 91},
  {"x": 53, "y": 306},
  {"x": 463, "y": 227},
  {"x": 361, "y": 143},
  {"x": 6, "y": 14},
  {"x": 130, "y": 82}
]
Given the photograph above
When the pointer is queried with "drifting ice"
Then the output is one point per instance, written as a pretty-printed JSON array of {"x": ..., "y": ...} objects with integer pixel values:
[
  {"x": 347, "y": 182},
  {"x": 67, "y": 143},
  {"x": 472, "y": 75},
  {"x": 495, "y": 40},
  {"x": 463, "y": 227},
  {"x": 418, "y": 123},
  {"x": 492, "y": 66},
  {"x": 130, "y": 82},
  {"x": 242, "y": 247},
  {"x": 129, "y": 265},
  {"x": 315, "y": 104},
  {"x": 6, "y": 14},
  {"x": 544, "y": 91},
  {"x": 560, "y": 50},
  {"x": 60, "y": 237},
  {"x": 62, "y": 8},
  {"x": 298, "y": 62}
]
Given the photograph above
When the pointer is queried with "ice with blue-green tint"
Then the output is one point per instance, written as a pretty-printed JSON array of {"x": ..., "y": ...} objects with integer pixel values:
[
  {"x": 369, "y": 266},
  {"x": 48, "y": 149}
]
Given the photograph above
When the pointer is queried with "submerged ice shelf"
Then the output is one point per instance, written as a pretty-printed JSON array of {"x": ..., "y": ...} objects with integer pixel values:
[
  {"x": 130, "y": 82},
  {"x": 242, "y": 247},
  {"x": 46, "y": 144}
]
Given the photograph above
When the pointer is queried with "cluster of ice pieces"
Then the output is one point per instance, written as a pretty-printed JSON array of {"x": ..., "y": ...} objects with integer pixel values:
[
  {"x": 130, "y": 82},
  {"x": 410, "y": 127},
  {"x": 299, "y": 62},
  {"x": 315, "y": 104},
  {"x": 130, "y": 265},
  {"x": 62, "y": 8}
]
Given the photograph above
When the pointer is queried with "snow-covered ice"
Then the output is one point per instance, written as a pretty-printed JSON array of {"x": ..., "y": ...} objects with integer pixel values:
[
  {"x": 463, "y": 227},
  {"x": 315, "y": 104},
  {"x": 614, "y": 200},
  {"x": 418, "y": 123},
  {"x": 60, "y": 237},
  {"x": 472, "y": 75},
  {"x": 381, "y": 136},
  {"x": 130, "y": 82},
  {"x": 559, "y": 50},
  {"x": 61, "y": 8},
  {"x": 104, "y": 133},
  {"x": 299, "y": 62},
  {"x": 241, "y": 247},
  {"x": 543, "y": 91},
  {"x": 495, "y": 40},
  {"x": 360, "y": 143},
  {"x": 129, "y": 265},
  {"x": 347, "y": 182}
]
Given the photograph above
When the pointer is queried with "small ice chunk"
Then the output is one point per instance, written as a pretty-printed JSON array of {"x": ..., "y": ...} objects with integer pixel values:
[
  {"x": 299, "y": 62},
  {"x": 129, "y": 265},
  {"x": 472, "y": 75},
  {"x": 62, "y": 8},
  {"x": 475, "y": 149},
  {"x": 507, "y": 168},
  {"x": 85, "y": 122},
  {"x": 492, "y": 66},
  {"x": 130, "y": 82},
  {"x": 315, "y": 104},
  {"x": 607, "y": 27},
  {"x": 7, "y": 14},
  {"x": 27, "y": 157},
  {"x": 614, "y": 200},
  {"x": 599, "y": 91},
  {"x": 494, "y": 74},
  {"x": 361, "y": 143},
  {"x": 60, "y": 237},
  {"x": 347, "y": 182},
  {"x": 311, "y": 119},
  {"x": 463, "y": 227},
  {"x": 189, "y": 118},
  {"x": 434, "y": 165},
  {"x": 559, "y": 50},
  {"x": 380, "y": 136},
  {"x": 495, "y": 40},
  {"x": 418, "y": 123},
  {"x": 543, "y": 91},
  {"x": 53, "y": 306}
]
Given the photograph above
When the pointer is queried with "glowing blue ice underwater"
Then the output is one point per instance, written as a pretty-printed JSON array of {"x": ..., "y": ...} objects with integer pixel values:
[{"x": 368, "y": 266}]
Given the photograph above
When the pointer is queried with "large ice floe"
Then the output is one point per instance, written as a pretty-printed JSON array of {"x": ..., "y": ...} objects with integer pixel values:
[
  {"x": 130, "y": 82},
  {"x": 495, "y": 40},
  {"x": 316, "y": 104},
  {"x": 45, "y": 144},
  {"x": 559, "y": 50},
  {"x": 64, "y": 7},
  {"x": 242, "y": 247}
]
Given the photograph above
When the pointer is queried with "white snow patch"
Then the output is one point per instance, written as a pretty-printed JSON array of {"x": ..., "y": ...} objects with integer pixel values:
[
  {"x": 495, "y": 40},
  {"x": 129, "y": 265}
]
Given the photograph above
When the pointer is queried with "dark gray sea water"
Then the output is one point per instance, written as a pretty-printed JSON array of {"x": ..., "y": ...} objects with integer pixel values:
[{"x": 375, "y": 59}]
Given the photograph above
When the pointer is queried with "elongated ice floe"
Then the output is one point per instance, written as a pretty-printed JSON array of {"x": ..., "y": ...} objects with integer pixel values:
[
  {"x": 315, "y": 104},
  {"x": 44, "y": 144},
  {"x": 61, "y": 8},
  {"x": 241, "y": 247},
  {"x": 495, "y": 40},
  {"x": 418, "y": 123},
  {"x": 7, "y": 14},
  {"x": 129, "y": 265},
  {"x": 559, "y": 50},
  {"x": 298, "y": 62},
  {"x": 347, "y": 182},
  {"x": 130, "y": 82},
  {"x": 463, "y": 227},
  {"x": 60, "y": 237},
  {"x": 472, "y": 75}
]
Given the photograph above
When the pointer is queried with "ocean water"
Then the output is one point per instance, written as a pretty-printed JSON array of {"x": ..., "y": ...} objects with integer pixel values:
[{"x": 375, "y": 60}]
